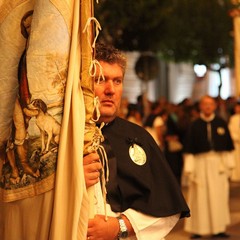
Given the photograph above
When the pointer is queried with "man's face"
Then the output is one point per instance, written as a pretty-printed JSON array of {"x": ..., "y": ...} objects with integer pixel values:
[
  {"x": 109, "y": 91},
  {"x": 207, "y": 106}
]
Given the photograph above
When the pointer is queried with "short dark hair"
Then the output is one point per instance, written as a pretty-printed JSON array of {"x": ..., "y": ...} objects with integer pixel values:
[{"x": 111, "y": 55}]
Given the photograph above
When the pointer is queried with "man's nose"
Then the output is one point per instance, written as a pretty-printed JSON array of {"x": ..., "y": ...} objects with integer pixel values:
[{"x": 109, "y": 86}]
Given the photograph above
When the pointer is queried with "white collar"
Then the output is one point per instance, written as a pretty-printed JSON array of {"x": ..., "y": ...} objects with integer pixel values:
[{"x": 207, "y": 119}]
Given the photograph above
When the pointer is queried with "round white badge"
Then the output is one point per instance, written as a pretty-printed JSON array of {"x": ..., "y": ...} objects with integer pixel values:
[{"x": 137, "y": 154}]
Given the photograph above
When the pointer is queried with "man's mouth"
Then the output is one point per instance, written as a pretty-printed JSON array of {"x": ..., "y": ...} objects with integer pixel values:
[{"x": 107, "y": 102}]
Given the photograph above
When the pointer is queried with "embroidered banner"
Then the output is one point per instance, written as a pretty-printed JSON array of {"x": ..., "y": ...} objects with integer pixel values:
[
  {"x": 45, "y": 58},
  {"x": 34, "y": 59}
]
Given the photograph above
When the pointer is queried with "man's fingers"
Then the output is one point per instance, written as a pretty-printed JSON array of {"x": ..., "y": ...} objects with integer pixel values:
[
  {"x": 94, "y": 175},
  {"x": 91, "y": 158},
  {"x": 93, "y": 167}
]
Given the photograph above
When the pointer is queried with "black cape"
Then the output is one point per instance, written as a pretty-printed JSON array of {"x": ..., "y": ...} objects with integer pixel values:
[
  {"x": 197, "y": 138},
  {"x": 151, "y": 188}
]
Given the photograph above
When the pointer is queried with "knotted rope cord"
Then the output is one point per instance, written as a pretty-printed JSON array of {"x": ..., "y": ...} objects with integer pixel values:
[
  {"x": 95, "y": 144},
  {"x": 94, "y": 63},
  {"x": 93, "y": 69},
  {"x": 104, "y": 178},
  {"x": 97, "y": 28}
]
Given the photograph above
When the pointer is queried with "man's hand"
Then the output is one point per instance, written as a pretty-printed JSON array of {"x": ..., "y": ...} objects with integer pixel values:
[
  {"x": 100, "y": 229},
  {"x": 91, "y": 166}
]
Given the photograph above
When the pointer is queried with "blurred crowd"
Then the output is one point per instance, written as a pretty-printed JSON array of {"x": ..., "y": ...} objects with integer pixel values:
[{"x": 168, "y": 123}]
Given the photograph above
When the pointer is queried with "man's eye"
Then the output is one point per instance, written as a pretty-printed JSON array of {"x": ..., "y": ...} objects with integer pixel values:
[
  {"x": 118, "y": 81},
  {"x": 99, "y": 80}
]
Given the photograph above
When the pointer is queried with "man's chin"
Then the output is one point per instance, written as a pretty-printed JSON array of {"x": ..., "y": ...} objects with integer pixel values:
[{"x": 107, "y": 117}]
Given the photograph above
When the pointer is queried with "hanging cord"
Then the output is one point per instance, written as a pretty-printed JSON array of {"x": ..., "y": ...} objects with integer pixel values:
[
  {"x": 94, "y": 63},
  {"x": 93, "y": 69},
  {"x": 95, "y": 144},
  {"x": 97, "y": 28},
  {"x": 104, "y": 177}
]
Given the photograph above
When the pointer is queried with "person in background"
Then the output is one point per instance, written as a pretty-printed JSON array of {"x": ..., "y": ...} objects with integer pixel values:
[
  {"x": 208, "y": 153},
  {"x": 155, "y": 123},
  {"x": 234, "y": 127},
  {"x": 143, "y": 198},
  {"x": 134, "y": 115},
  {"x": 222, "y": 109},
  {"x": 173, "y": 142},
  {"x": 140, "y": 106}
]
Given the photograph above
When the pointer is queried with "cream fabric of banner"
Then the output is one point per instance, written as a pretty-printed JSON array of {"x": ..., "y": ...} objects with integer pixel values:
[
  {"x": 47, "y": 54},
  {"x": 32, "y": 101},
  {"x": 34, "y": 51},
  {"x": 71, "y": 205},
  {"x": 236, "y": 24}
]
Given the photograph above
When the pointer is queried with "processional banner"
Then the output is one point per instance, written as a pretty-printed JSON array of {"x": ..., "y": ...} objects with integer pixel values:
[
  {"x": 44, "y": 56},
  {"x": 235, "y": 14},
  {"x": 236, "y": 24}
]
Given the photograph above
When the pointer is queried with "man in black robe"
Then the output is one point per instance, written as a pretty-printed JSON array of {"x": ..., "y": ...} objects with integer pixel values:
[
  {"x": 143, "y": 200},
  {"x": 208, "y": 163}
]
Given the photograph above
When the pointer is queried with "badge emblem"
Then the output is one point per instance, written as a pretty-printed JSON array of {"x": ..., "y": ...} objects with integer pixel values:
[
  {"x": 220, "y": 131},
  {"x": 137, "y": 154}
]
